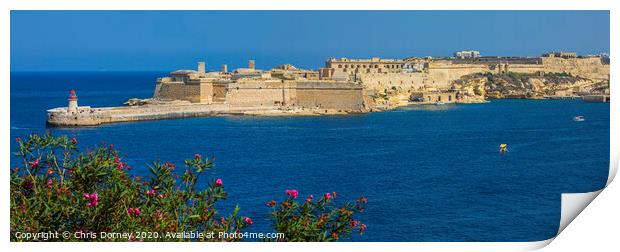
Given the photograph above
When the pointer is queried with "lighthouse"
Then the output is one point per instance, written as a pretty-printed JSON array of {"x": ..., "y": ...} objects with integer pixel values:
[{"x": 73, "y": 105}]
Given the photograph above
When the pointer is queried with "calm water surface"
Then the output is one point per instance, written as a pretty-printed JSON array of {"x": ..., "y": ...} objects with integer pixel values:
[{"x": 430, "y": 173}]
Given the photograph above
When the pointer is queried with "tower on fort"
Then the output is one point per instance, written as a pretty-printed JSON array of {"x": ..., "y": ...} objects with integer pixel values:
[
  {"x": 251, "y": 64},
  {"x": 73, "y": 104},
  {"x": 201, "y": 67},
  {"x": 224, "y": 68}
]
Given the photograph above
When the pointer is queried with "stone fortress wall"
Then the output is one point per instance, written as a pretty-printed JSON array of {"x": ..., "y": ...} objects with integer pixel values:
[
  {"x": 330, "y": 95},
  {"x": 303, "y": 94},
  {"x": 178, "y": 91},
  {"x": 342, "y": 86},
  {"x": 342, "y": 83},
  {"x": 249, "y": 87},
  {"x": 416, "y": 74},
  {"x": 591, "y": 68}
]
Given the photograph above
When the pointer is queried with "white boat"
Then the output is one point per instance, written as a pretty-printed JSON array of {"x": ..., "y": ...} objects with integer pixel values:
[
  {"x": 439, "y": 103},
  {"x": 579, "y": 119}
]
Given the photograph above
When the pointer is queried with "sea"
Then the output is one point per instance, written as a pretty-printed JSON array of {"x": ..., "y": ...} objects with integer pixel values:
[{"x": 430, "y": 173}]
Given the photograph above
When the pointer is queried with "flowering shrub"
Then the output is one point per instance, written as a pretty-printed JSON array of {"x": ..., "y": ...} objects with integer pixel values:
[
  {"x": 58, "y": 188},
  {"x": 315, "y": 219}
]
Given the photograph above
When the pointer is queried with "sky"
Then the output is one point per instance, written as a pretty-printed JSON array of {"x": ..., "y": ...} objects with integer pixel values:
[{"x": 169, "y": 40}]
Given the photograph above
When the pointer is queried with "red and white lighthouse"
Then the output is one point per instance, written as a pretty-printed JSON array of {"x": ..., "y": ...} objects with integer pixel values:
[{"x": 73, "y": 104}]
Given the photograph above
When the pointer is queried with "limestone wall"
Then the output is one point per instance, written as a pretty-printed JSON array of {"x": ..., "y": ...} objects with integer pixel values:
[
  {"x": 339, "y": 96},
  {"x": 177, "y": 91},
  {"x": 260, "y": 93},
  {"x": 303, "y": 94},
  {"x": 442, "y": 73},
  {"x": 402, "y": 81},
  {"x": 525, "y": 68},
  {"x": 591, "y": 68}
]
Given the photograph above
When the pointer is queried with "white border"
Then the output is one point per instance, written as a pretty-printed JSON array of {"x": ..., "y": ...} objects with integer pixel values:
[{"x": 300, "y": 5}]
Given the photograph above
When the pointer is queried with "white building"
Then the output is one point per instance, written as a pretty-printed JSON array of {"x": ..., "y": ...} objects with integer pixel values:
[{"x": 467, "y": 54}]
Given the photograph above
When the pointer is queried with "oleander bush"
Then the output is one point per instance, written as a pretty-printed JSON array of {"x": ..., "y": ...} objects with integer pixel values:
[
  {"x": 315, "y": 219},
  {"x": 59, "y": 188}
]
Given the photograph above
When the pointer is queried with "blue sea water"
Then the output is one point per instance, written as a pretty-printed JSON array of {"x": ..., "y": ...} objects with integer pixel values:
[{"x": 430, "y": 173}]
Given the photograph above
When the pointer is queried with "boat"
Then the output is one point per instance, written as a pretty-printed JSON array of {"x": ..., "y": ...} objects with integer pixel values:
[
  {"x": 439, "y": 103},
  {"x": 579, "y": 119}
]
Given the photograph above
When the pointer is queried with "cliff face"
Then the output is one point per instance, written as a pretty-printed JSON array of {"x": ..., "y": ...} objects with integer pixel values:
[{"x": 520, "y": 85}]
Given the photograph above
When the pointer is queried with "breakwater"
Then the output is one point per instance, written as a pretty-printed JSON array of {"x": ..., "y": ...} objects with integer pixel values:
[{"x": 87, "y": 116}]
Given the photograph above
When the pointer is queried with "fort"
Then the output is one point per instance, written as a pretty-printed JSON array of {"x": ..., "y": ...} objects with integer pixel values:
[{"x": 345, "y": 86}]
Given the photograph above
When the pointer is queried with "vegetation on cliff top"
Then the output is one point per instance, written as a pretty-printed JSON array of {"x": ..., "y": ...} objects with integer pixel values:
[{"x": 59, "y": 188}]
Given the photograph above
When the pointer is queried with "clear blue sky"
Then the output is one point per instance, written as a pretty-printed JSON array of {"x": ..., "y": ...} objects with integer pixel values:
[{"x": 168, "y": 40}]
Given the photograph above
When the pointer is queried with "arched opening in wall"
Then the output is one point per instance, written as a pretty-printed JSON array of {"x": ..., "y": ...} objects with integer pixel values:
[
  {"x": 439, "y": 98},
  {"x": 428, "y": 98},
  {"x": 449, "y": 98}
]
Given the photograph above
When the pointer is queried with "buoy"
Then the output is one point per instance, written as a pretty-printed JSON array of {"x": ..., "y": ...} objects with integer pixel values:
[{"x": 503, "y": 148}]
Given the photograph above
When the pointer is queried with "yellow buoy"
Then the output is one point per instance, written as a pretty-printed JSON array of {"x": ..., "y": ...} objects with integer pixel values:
[{"x": 503, "y": 148}]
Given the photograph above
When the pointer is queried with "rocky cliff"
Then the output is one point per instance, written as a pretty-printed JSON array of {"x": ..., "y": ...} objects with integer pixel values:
[{"x": 523, "y": 85}]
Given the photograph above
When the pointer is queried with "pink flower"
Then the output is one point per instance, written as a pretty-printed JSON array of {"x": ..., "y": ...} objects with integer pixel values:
[
  {"x": 310, "y": 198},
  {"x": 133, "y": 211},
  {"x": 34, "y": 163},
  {"x": 74, "y": 141},
  {"x": 92, "y": 198},
  {"x": 197, "y": 156},
  {"x": 328, "y": 196},
  {"x": 218, "y": 182},
  {"x": 247, "y": 220},
  {"x": 150, "y": 193},
  {"x": 292, "y": 193},
  {"x": 50, "y": 182},
  {"x": 119, "y": 164},
  {"x": 362, "y": 228}
]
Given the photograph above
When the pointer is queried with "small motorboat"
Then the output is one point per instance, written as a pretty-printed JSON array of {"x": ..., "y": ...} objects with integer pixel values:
[
  {"x": 439, "y": 103},
  {"x": 579, "y": 119}
]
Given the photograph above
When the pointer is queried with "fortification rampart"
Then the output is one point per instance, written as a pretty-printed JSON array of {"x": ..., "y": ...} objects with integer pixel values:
[
  {"x": 401, "y": 81},
  {"x": 328, "y": 95},
  {"x": 177, "y": 91},
  {"x": 440, "y": 74},
  {"x": 591, "y": 68},
  {"x": 302, "y": 94}
]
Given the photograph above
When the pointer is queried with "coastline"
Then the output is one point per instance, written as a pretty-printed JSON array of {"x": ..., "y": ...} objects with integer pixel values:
[{"x": 87, "y": 116}]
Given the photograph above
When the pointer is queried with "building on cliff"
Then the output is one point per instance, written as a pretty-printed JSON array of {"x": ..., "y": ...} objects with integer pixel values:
[
  {"x": 424, "y": 73},
  {"x": 282, "y": 87}
]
